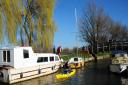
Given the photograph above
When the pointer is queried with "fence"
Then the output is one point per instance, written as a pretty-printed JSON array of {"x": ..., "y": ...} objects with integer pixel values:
[{"x": 109, "y": 46}]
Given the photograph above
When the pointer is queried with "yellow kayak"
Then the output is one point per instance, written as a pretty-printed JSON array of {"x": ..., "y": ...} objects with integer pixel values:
[{"x": 68, "y": 75}]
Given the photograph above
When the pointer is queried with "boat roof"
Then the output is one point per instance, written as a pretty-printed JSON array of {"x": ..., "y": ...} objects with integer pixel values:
[
  {"x": 118, "y": 52},
  {"x": 27, "y": 47},
  {"x": 45, "y": 54},
  {"x": 12, "y": 47}
]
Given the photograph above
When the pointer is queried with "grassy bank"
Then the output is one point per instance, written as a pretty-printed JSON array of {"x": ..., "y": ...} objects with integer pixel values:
[
  {"x": 102, "y": 54},
  {"x": 67, "y": 57}
]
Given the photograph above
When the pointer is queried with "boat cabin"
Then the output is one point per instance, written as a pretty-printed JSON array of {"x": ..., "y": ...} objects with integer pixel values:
[
  {"x": 20, "y": 57},
  {"x": 76, "y": 62},
  {"x": 118, "y": 54},
  {"x": 119, "y": 61},
  {"x": 76, "y": 59},
  {"x": 119, "y": 58}
]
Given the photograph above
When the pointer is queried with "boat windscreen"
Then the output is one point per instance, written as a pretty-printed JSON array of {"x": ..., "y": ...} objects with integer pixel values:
[{"x": 75, "y": 59}]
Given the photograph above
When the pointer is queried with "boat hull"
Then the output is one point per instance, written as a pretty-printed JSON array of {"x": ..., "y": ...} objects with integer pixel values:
[
  {"x": 118, "y": 68},
  {"x": 68, "y": 75},
  {"x": 16, "y": 75}
]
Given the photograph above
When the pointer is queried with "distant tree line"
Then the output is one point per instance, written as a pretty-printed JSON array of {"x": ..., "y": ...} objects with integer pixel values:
[
  {"x": 96, "y": 27},
  {"x": 66, "y": 51},
  {"x": 74, "y": 51}
]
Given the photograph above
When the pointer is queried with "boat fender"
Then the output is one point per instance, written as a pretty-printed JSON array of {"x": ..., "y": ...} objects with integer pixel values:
[
  {"x": 52, "y": 68},
  {"x": 39, "y": 71},
  {"x": 1, "y": 74},
  {"x": 21, "y": 75}
]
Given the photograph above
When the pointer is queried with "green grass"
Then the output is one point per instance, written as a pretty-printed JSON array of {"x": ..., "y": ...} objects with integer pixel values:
[
  {"x": 102, "y": 54},
  {"x": 67, "y": 57}
]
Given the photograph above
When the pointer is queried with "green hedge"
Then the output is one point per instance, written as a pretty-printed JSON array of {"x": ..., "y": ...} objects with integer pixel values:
[{"x": 67, "y": 57}]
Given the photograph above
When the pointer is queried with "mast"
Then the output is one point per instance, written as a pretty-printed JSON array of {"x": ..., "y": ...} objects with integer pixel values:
[{"x": 76, "y": 33}]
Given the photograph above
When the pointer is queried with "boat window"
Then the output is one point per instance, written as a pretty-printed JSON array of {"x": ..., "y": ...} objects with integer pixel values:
[
  {"x": 56, "y": 58},
  {"x": 26, "y": 53},
  {"x": 75, "y": 59},
  {"x": 122, "y": 55},
  {"x": 51, "y": 58},
  {"x": 45, "y": 59},
  {"x": 42, "y": 59},
  {"x": 6, "y": 56}
]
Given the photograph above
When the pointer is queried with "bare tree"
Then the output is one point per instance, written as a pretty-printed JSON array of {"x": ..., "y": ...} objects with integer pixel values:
[
  {"x": 118, "y": 32},
  {"x": 96, "y": 28},
  {"x": 93, "y": 25}
]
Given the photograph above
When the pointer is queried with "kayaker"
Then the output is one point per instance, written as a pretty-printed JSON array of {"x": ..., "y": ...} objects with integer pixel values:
[
  {"x": 66, "y": 68},
  {"x": 66, "y": 65}
]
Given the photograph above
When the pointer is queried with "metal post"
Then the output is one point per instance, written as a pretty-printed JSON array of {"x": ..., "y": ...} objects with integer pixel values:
[
  {"x": 122, "y": 45},
  {"x": 115, "y": 45},
  {"x": 109, "y": 47},
  {"x": 97, "y": 47},
  {"x": 103, "y": 47}
]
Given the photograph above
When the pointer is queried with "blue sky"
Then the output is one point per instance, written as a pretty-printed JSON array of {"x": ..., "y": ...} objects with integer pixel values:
[{"x": 64, "y": 16}]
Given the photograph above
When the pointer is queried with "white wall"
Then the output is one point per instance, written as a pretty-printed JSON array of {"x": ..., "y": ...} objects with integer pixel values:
[
  {"x": 31, "y": 61},
  {"x": 20, "y": 61},
  {"x": 18, "y": 58}
]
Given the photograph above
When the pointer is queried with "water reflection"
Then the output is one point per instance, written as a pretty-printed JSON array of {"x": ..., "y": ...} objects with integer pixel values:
[
  {"x": 51, "y": 80},
  {"x": 124, "y": 81},
  {"x": 46, "y": 80},
  {"x": 93, "y": 74}
]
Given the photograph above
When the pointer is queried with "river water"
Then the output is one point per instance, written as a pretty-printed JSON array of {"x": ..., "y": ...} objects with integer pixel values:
[{"x": 91, "y": 74}]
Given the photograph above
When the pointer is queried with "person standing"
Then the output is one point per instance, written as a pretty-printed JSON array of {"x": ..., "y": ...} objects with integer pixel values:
[{"x": 59, "y": 50}]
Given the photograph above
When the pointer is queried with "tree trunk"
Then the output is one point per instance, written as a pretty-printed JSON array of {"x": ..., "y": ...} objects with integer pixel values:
[{"x": 21, "y": 37}]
